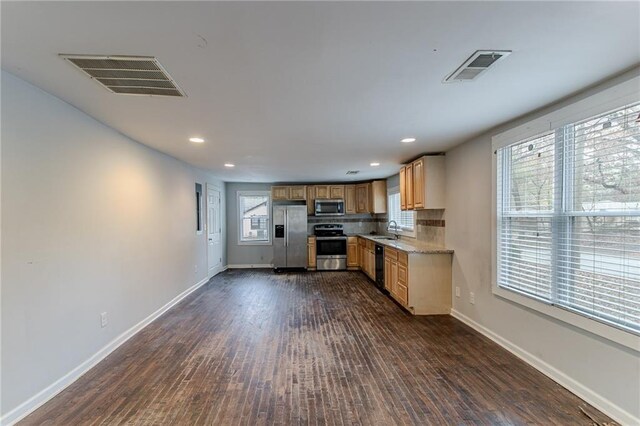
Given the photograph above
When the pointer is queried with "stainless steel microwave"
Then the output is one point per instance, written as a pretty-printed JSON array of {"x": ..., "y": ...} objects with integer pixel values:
[{"x": 329, "y": 208}]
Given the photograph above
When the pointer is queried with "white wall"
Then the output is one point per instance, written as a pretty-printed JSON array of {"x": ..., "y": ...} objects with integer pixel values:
[
  {"x": 595, "y": 368},
  {"x": 91, "y": 222},
  {"x": 237, "y": 254}
]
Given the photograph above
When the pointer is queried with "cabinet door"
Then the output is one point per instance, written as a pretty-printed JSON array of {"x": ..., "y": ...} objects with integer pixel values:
[
  {"x": 387, "y": 274},
  {"x": 418, "y": 184},
  {"x": 311, "y": 205},
  {"x": 402, "y": 290},
  {"x": 394, "y": 279},
  {"x": 378, "y": 196},
  {"x": 362, "y": 198},
  {"x": 279, "y": 193},
  {"x": 372, "y": 265},
  {"x": 352, "y": 252},
  {"x": 322, "y": 192},
  {"x": 403, "y": 188},
  {"x": 311, "y": 253},
  {"x": 408, "y": 181},
  {"x": 350, "y": 199},
  {"x": 298, "y": 193},
  {"x": 336, "y": 192},
  {"x": 360, "y": 255}
]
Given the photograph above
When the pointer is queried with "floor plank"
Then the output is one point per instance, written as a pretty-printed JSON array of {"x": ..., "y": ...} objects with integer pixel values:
[{"x": 256, "y": 348}]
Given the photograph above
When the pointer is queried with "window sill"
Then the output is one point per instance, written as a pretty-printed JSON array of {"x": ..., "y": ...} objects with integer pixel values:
[{"x": 601, "y": 329}]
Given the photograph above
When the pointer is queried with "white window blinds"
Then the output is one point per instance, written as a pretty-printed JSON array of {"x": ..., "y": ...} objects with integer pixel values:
[
  {"x": 569, "y": 217},
  {"x": 404, "y": 218}
]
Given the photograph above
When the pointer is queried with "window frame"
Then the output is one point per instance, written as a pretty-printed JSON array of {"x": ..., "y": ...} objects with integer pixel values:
[
  {"x": 403, "y": 232},
  {"x": 239, "y": 218},
  {"x": 596, "y": 103}
]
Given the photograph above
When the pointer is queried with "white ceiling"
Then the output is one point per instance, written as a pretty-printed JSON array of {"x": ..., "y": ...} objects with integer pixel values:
[{"x": 306, "y": 91}]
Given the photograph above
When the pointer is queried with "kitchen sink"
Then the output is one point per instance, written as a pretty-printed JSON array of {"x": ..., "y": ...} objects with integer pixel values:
[{"x": 384, "y": 238}]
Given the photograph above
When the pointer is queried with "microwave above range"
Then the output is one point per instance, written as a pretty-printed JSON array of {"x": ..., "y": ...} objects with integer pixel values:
[{"x": 329, "y": 207}]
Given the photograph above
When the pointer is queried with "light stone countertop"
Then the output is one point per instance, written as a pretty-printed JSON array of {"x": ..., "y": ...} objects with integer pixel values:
[{"x": 408, "y": 247}]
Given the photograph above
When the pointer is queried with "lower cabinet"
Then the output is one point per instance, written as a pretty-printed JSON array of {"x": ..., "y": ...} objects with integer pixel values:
[
  {"x": 352, "y": 253},
  {"x": 311, "y": 252}
]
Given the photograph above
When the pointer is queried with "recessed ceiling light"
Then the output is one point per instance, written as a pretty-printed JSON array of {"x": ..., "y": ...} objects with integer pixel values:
[
  {"x": 196, "y": 140},
  {"x": 408, "y": 140},
  {"x": 229, "y": 165},
  {"x": 375, "y": 164}
]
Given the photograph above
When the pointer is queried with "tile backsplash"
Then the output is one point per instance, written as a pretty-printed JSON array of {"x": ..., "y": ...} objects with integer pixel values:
[
  {"x": 353, "y": 224},
  {"x": 430, "y": 226}
]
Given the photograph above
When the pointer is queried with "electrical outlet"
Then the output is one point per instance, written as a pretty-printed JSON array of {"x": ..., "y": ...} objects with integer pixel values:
[
  {"x": 457, "y": 291},
  {"x": 103, "y": 320},
  {"x": 472, "y": 298}
]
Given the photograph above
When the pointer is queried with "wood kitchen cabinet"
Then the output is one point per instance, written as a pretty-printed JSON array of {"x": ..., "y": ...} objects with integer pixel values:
[
  {"x": 403, "y": 188},
  {"x": 419, "y": 282},
  {"x": 362, "y": 197},
  {"x": 350, "y": 199},
  {"x": 298, "y": 192},
  {"x": 279, "y": 193},
  {"x": 422, "y": 183},
  {"x": 336, "y": 192},
  {"x": 352, "y": 253},
  {"x": 311, "y": 202},
  {"x": 311, "y": 252},
  {"x": 289, "y": 193},
  {"x": 321, "y": 192},
  {"x": 378, "y": 197}
]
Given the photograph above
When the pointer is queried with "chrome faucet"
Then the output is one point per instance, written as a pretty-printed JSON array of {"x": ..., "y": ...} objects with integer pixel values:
[{"x": 395, "y": 228}]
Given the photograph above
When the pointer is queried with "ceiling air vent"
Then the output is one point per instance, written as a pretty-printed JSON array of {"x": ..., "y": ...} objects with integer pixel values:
[
  {"x": 353, "y": 172},
  {"x": 477, "y": 63},
  {"x": 127, "y": 75}
]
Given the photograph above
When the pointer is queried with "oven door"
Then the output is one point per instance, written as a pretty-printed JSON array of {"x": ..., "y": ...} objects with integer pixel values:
[
  {"x": 331, "y": 246},
  {"x": 331, "y": 253}
]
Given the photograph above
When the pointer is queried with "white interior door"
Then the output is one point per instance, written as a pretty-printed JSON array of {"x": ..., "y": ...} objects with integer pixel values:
[{"x": 214, "y": 231}]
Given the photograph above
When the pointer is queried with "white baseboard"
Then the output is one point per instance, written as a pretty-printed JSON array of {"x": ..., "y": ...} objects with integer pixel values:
[
  {"x": 250, "y": 266},
  {"x": 39, "y": 399},
  {"x": 609, "y": 408}
]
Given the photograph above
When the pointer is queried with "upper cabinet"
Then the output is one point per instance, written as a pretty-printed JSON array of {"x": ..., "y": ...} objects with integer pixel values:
[
  {"x": 279, "y": 193},
  {"x": 422, "y": 183},
  {"x": 378, "y": 197},
  {"x": 336, "y": 192},
  {"x": 286, "y": 193},
  {"x": 321, "y": 192},
  {"x": 370, "y": 197},
  {"x": 298, "y": 192},
  {"x": 350, "y": 199},
  {"x": 362, "y": 197}
]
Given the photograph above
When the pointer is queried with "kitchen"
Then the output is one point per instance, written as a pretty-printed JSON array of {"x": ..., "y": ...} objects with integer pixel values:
[{"x": 352, "y": 226}]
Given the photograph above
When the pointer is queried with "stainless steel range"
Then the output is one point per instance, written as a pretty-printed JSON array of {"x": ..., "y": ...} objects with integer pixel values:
[{"x": 331, "y": 247}]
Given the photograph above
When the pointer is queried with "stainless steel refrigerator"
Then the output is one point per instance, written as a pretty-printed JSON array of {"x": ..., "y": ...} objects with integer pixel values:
[{"x": 289, "y": 236}]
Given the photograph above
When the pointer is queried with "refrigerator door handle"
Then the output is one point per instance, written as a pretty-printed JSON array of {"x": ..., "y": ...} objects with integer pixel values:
[{"x": 286, "y": 229}]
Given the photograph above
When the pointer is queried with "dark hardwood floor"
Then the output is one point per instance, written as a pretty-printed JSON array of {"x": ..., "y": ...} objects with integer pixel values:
[{"x": 253, "y": 348}]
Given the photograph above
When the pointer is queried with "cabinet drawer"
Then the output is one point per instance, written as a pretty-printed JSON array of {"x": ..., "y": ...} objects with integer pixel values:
[
  {"x": 390, "y": 254},
  {"x": 362, "y": 242},
  {"x": 403, "y": 258}
]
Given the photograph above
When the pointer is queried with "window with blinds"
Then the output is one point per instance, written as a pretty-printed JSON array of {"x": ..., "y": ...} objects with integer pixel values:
[
  {"x": 406, "y": 219},
  {"x": 568, "y": 217}
]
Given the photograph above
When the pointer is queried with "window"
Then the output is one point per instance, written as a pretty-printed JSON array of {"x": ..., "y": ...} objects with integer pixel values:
[
  {"x": 254, "y": 217},
  {"x": 568, "y": 218},
  {"x": 406, "y": 219}
]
